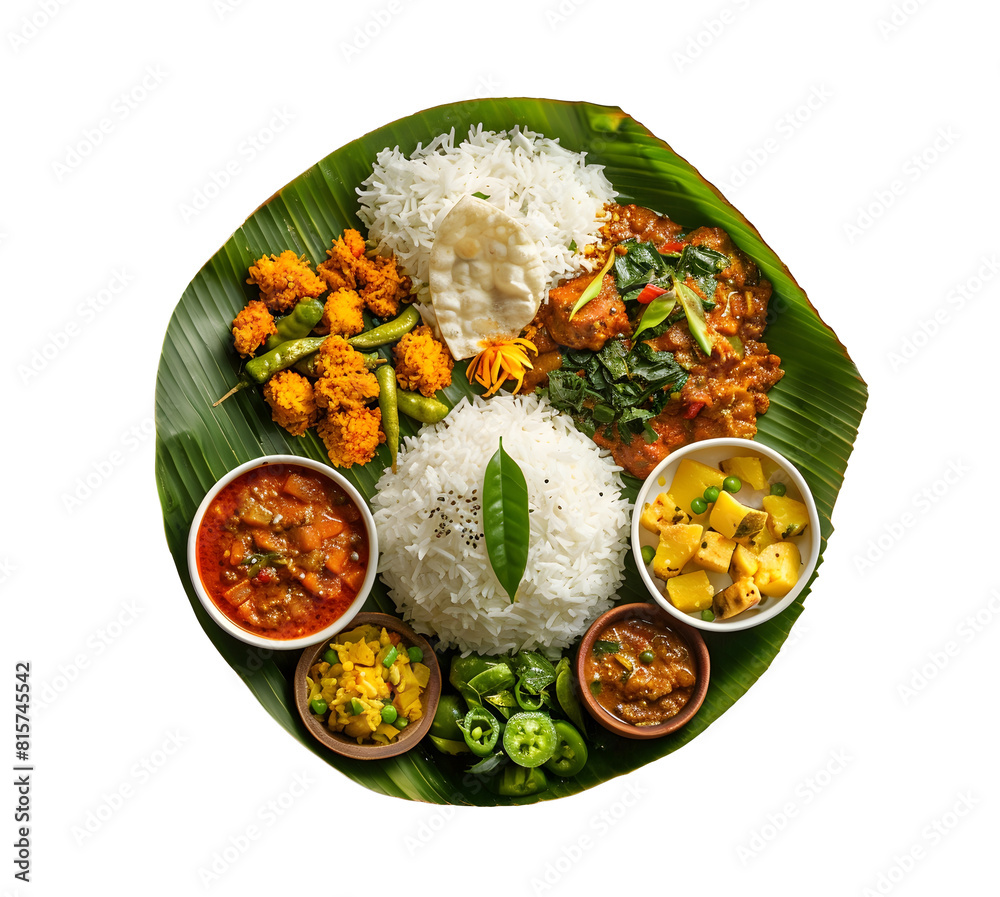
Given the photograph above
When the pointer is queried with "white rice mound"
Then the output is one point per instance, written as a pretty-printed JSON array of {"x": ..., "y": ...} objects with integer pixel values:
[
  {"x": 433, "y": 552},
  {"x": 552, "y": 190}
]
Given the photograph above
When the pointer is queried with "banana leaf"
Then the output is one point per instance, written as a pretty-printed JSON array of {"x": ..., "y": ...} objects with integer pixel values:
[{"x": 813, "y": 417}]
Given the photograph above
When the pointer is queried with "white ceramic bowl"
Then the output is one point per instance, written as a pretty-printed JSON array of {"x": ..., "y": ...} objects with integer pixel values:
[
  {"x": 712, "y": 452},
  {"x": 344, "y": 619}
]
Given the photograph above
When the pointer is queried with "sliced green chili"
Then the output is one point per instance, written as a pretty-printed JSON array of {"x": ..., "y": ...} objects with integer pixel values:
[
  {"x": 594, "y": 287},
  {"x": 481, "y": 731},
  {"x": 390, "y": 658}
]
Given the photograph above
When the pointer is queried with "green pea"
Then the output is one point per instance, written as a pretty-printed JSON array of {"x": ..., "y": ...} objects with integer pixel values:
[
  {"x": 711, "y": 494},
  {"x": 415, "y": 654},
  {"x": 389, "y": 714},
  {"x": 318, "y": 706},
  {"x": 732, "y": 484},
  {"x": 648, "y": 553},
  {"x": 699, "y": 505},
  {"x": 647, "y": 657},
  {"x": 777, "y": 488},
  {"x": 401, "y": 723},
  {"x": 708, "y": 615},
  {"x": 330, "y": 656}
]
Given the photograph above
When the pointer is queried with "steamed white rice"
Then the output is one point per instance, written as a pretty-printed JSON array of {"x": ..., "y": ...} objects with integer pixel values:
[
  {"x": 552, "y": 190},
  {"x": 433, "y": 553}
]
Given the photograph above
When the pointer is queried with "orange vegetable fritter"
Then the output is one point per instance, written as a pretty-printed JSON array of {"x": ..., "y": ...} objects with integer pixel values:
[
  {"x": 376, "y": 279},
  {"x": 351, "y": 436},
  {"x": 344, "y": 381},
  {"x": 251, "y": 326},
  {"x": 293, "y": 405},
  {"x": 383, "y": 288},
  {"x": 342, "y": 314},
  {"x": 284, "y": 279},
  {"x": 423, "y": 363}
]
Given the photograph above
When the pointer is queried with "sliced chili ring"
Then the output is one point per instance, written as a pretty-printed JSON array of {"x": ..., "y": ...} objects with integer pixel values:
[
  {"x": 530, "y": 738},
  {"x": 481, "y": 731},
  {"x": 571, "y": 752}
]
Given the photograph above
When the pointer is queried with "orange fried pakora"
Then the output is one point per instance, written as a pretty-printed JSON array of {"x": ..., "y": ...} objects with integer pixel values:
[
  {"x": 284, "y": 279},
  {"x": 376, "y": 279},
  {"x": 293, "y": 404},
  {"x": 351, "y": 436},
  {"x": 344, "y": 381},
  {"x": 423, "y": 363},
  {"x": 342, "y": 314},
  {"x": 251, "y": 327}
]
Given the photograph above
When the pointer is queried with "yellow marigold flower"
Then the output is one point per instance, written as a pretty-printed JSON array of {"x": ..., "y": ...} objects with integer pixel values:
[{"x": 500, "y": 361}]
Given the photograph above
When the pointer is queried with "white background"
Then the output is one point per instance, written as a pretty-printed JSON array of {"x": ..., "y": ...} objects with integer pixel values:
[{"x": 864, "y": 760}]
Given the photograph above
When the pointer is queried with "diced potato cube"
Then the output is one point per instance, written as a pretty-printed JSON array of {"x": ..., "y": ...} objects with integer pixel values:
[
  {"x": 743, "y": 564},
  {"x": 778, "y": 570},
  {"x": 664, "y": 511},
  {"x": 677, "y": 546},
  {"x": 735, "y": 520},
  {"x": 740, "y": 596},
  {"x": 761, "y": 541},
  {"x": 714, "y": 552},
  {"x": 690, "y": 592},
  {"x": 691, "y": 479},
  {"x": 787, "y": 517},
  {"x": 748, "y": 469}
]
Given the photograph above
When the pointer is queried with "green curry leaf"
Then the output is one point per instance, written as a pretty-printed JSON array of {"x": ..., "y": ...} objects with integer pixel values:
[{"x": 505, "y": 520}]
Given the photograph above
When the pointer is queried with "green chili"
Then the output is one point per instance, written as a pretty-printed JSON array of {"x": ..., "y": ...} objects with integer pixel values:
[
  {"x": 481, "y": 731},
  {"x": 388, "y": 332},
  {"x": 298, "y": 323},
  {"x": 263, "y": 367},
  {"x": 357, "y": 708},
  {"x": 594, "y": 287},
  {"x": 307, "y": 365},
  {"x": 527, "y": 697},
  {"x": 390, "y": 658},
  {"x": 386, "y": 377},
  {"x": 420, "y": 408}
]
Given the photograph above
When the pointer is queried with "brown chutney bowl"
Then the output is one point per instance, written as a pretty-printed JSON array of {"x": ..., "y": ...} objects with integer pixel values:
[
  {"x": 349, "y": 747},
  {"x": 650, "y": 613}
]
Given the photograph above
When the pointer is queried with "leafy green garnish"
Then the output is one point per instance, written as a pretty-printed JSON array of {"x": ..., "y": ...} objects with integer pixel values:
[
  {"x": 506, "y": 522},
  {"x": 480, "y": 195},
  {"x": 620, "y": 386}
]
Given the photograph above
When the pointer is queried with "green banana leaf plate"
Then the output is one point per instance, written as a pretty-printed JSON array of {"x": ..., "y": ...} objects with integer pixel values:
[{"x": 813, "y": 418}]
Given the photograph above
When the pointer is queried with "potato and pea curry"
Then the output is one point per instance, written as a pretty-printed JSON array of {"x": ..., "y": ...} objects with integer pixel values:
[{"x": 704, "y": 529}]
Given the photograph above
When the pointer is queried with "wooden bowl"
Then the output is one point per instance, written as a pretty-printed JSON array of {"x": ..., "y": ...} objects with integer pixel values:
[
  {"x": 651, "y": 613},
  {"x": 407, "y": 737}
]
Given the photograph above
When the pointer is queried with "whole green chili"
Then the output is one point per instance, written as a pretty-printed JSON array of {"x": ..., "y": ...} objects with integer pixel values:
[
  {"x": 420, "y": 408},
  {"x": 388, "y": 332},
  {"x": 298, "y": 323},
  {"x": 386, "y": 377}
]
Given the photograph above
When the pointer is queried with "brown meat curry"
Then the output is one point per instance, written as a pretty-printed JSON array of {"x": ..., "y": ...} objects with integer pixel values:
[{"x": 724, "y": 391}]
